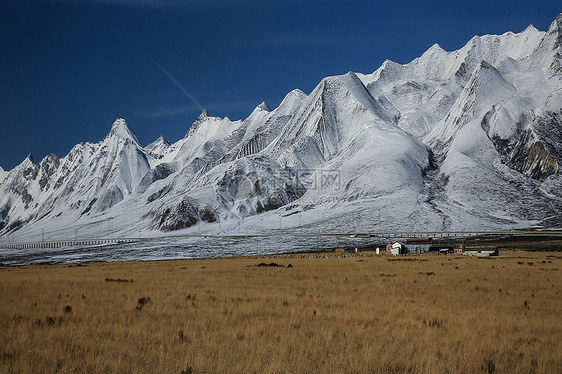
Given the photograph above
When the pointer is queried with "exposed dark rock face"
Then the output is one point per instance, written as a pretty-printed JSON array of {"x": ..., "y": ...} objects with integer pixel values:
[{"x": 530, "y": 157}]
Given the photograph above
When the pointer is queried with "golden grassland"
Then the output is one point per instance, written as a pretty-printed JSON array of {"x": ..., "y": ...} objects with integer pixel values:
[{"x": 418, "y": 314}]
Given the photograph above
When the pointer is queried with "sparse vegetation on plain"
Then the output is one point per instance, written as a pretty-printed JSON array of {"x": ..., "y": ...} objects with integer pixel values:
[{"x": 239, "y": 315}]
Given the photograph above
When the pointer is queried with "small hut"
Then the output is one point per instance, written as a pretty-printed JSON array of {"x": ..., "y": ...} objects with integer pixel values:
[
  {"x": 481, "y": 251},
  {"x": 397, "y": 249}
]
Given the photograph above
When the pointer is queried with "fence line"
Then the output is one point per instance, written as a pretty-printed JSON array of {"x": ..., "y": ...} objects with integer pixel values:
[
  {"x": 379, "y": 235},
  {"x": 65, "y": 243}
]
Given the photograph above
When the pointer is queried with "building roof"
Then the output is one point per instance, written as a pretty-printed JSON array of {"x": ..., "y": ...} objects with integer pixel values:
[{"x": 480, "y": 248}]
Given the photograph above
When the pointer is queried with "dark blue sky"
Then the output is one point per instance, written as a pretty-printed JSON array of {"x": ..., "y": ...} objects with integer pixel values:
[{"x": 69, "y": 68}]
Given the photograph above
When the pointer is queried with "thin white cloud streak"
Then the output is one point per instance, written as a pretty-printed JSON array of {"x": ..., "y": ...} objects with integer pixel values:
[{"x": 179, "y": 86}]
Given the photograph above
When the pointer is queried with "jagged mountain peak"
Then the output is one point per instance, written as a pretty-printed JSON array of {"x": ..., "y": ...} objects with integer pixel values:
[
  {"x": 158, "y": 146},
  {"x": 52, "y": 158},
  {"x": 203, "y": 117},
  {"x": 120, "y": 129},
  {"x": 434, "y": 50},
  {"x": 259, "y": 112},
  {"x": 162, "y": 140},
  {"x": 29, "y": 161},
  {"x": 531, "y": 28},
  {"x": 349, "y": 80},
  {"x": 264, "y": 106},
  {"x": 487, "y": 81},
  {"x": 293, "y": 97},
  {"x": 388, "y": 71},
  {"x": 389, "y": 64},
  {"x": 296, "y": 92},
  {"x": 351, "y": 87},
  {"x": 207, "y": 125},
  {"x": 436, "y": 47},
  {"x": 204, "y": 114}
]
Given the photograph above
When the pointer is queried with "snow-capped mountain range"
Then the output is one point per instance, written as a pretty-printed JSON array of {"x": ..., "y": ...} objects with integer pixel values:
[{"x": 463, "y": 140}]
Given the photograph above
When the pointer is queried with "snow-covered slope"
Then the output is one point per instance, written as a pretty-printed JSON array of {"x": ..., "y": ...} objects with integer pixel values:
[
  {"x": 466, "y": 139},
  {"x": 88, "y": 181},
  {"x": 158, "y": 148},
  {"x": 498, "y": 145}
]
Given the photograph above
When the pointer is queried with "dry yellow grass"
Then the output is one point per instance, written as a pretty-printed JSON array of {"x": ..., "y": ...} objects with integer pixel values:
[{"x": 424, "y": 314}]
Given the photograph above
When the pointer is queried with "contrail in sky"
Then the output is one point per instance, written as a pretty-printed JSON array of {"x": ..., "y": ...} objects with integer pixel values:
[{"x": 179, "y": 86}]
